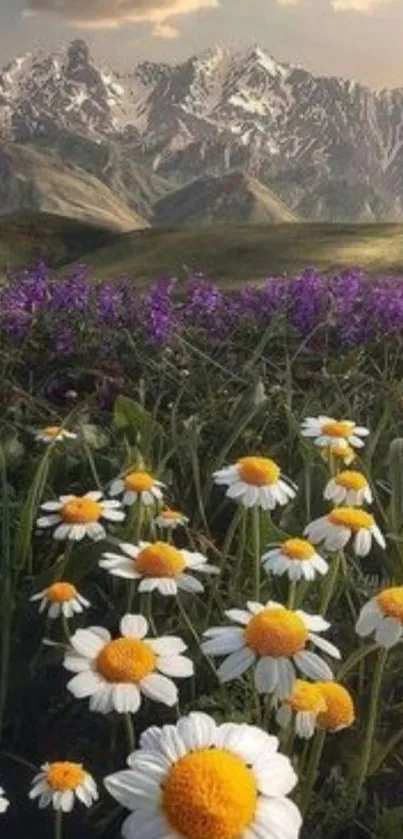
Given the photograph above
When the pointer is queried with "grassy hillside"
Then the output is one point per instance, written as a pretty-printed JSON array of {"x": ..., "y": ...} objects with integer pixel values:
[
  {"x": 30, "y": 237},
  {"x": 249, "y": 252},
  {"x": 235, "y": 198}
]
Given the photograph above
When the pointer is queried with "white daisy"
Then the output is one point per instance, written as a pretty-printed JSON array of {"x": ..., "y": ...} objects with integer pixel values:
[
  {"x": 78, "y": 516},
  {"x": 114, "y": 673},
  {"x": 256, "y": 482},
  {"x": 4, "y": 803},
  {"x": 62, "y": 599},
  {"x": 137, "y": 486},
  {"x": 276, "y": 640},
  {"x": 338, "y": 451},
  {"x": 199, "y": 780},
  {"x": 170, "y": 519},
  {"x": 159, "y": 566},
  {"x": 324, "y": 705},
  {"x": 349, "y": 488},
  {"x": 54, "y": 434},
  {"x": 342, "y": 524},
  {"x": 383, "y": 615},
  {"x": 326, "y": 431},
  {"x": 60, "y": 783},
  {"x": 297, "y": 558},
  {"x": 305, "y": 703}
]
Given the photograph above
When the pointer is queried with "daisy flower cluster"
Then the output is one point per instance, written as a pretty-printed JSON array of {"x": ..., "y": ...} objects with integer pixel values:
[{"x": 196, "y": 779}]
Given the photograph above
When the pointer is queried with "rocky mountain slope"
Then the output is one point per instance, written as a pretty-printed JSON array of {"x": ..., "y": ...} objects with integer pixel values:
[
  {"x": 230, "y": 199},
  {"x": 330, "y": 148},
  {"x": 34, "y": 179}
]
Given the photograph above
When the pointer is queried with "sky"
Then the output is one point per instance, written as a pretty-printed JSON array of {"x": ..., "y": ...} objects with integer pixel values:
[{"x": 361, "y": 39}]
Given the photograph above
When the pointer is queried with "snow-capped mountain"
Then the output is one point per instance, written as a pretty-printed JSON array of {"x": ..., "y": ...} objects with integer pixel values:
[{"x": 331, "y": 148}]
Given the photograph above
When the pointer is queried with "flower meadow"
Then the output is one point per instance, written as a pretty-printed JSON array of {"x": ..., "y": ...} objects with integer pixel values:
[{"x": 201, "y": 564}]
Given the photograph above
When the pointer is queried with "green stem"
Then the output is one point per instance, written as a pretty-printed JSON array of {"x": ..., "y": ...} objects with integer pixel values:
[
  {"x": 129, "y": 727},
  {"x": 292, "y": 594},
  {"x": 256, "y": 546},
  {"x": 66, "y": 629},
  {"x": 58, "y": 833},
  {"x": 62, "y": 563},
  {"x": 193, "y": 632},
  {"x": 312, "y": 769},
  {"x": 370, "y": 727},
  {"x": 330, "y": 583}
]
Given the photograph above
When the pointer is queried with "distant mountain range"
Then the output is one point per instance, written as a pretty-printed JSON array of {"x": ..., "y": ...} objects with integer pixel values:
[{"x": 222, "y": 137}]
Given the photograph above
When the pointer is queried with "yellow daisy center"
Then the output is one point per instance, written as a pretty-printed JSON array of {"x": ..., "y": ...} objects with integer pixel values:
[
  {"x": 52, "y": 430},
  {"x": 351, "y": 518},
  {"x": 340, "y": 712},
  {"x": 160, "y": 560},
  {"x": 340, "y": 450},
  {"x": 210, "y": 794},
  {"x": 170, "y": 515},
  {"x": 297, "y": 549},
  {"x": 276, "y": 632},
  {"x": 306, "y": 697},
  {"x": 351, "y": 480},
  {"x": 139, "y": 481},
  {"x": 333, "y": 428},
  {"x": 390, "y": 601},
  {"x": 63, "y": 776},
  {"x": 258, "y": 471},
  {"x": 126, "y": 660},
  {"x": 61, "y": 592},
  {"x": 81, "y": 511}
]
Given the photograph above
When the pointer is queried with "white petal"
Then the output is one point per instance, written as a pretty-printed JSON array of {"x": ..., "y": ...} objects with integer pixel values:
[
  {"x": 315, "y": 623},
  {"x": 188, "y": 583},
  {"x": 175, "y": 665},
  {"x": 363, "y": 542},
  {"x": 134, "y": 626},
  {"x": 247, "y": 741},
  {"x": 284, "y": 716},
  {"x": 126, "y": 698},
  {"x": 67, "y": 801},
  {"x": 279, "y": 818},
  {"x": 305, "y": 723},
  {"x": 266, "y": 675},
  {"x": 76, "y": 663},
  {"x": 160, "y": 689},
  {"x": 47, "y": 521},
  {"x": 274, "y": 775},
  {"x": 324, "y": 645},
  {"x": 113, "y": 515},
  {"x": 143, "y": 824},
  {"x": 133, "y": 789},
  {"x": 76, "y": 532},
  {"x": 51, "y": 506},
  {"x": 313, "y": 666},
  {"x": 286, "y": 677},
  {"x": 85, "y": 684},
  {"x": 238, "y": 616},
  {"x": 369, "y": 618},
  {"x": 167, "y": 645},
  {"x": 225, "y": 642},
  {"x": 378, "y": 536},
  {"x": 95, "y": 531},
  {"x": 388, "y": 632},
  {"x": 87, "y": 643},
  {"x": 197, "y": 730},
  {"x": 235, "y": 664},
  {"x": 102, "y": 701}
]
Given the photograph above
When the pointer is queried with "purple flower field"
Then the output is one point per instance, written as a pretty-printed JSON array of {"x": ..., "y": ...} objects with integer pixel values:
[{"x": 351, "y": 307}]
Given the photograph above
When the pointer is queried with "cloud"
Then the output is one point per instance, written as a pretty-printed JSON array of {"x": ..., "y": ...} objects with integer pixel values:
[
  {"x": 345, "y": 5},
  {"x": 110, "y": 14}
]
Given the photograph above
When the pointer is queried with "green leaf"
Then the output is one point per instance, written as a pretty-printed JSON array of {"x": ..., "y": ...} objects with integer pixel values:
[
  {"x": 22, "y": 551},
  {"x": 396, "y": 482},
  {"x": 138, "y": 423}
]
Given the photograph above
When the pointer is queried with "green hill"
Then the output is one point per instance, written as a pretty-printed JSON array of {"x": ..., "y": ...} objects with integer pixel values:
[
  {"x": 31, "y": 237},
  {"x": 250, "y": 252}
]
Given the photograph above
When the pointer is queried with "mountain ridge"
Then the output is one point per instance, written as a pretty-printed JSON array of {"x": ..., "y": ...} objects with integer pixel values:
[{"x": 331, "y": 149}]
